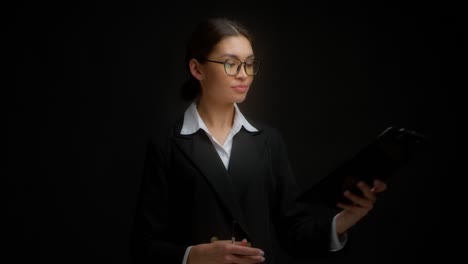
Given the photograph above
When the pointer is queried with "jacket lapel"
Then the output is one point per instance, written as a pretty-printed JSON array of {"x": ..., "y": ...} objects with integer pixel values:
[
  {"x": 246, "y": 150},
  {"x": 201, "y": 151},
  {"x": 245, "y": 155}
]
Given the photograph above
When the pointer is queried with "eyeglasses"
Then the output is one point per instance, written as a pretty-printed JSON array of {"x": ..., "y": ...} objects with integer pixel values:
[{"x": 232, "y": 66}]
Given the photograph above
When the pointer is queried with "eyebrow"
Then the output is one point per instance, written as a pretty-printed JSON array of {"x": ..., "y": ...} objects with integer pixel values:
[{"x": 235, "y": 56}]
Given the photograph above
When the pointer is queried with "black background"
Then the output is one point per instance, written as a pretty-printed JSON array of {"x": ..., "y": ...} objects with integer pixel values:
[{"x": 91, "y": 81}]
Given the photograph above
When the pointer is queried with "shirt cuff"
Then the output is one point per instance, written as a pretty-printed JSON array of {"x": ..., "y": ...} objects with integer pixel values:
[
  {"x": 187, "y": 251},
  {"x": 336, "y": 242}
]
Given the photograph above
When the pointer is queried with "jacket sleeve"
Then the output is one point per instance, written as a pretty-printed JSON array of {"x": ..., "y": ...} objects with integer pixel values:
[
  {"x": 304, "y": 229},
  {"x": 152, "y": 241}
]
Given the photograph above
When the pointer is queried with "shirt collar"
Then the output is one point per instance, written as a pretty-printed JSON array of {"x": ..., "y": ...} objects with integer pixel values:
[{"x": 193, "y": 122}]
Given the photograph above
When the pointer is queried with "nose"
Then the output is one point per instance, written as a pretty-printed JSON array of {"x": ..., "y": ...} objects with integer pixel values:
[{"x": 241, "y": 71}]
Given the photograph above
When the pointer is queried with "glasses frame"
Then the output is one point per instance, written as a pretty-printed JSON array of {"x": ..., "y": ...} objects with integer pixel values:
[{"x": 243, "y": 63}]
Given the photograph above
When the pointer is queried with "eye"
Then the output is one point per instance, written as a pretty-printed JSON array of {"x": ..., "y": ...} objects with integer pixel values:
[{"x": 232, "y": 63}]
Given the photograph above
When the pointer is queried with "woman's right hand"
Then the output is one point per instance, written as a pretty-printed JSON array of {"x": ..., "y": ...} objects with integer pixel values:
[{"x": 223, "y": 251}]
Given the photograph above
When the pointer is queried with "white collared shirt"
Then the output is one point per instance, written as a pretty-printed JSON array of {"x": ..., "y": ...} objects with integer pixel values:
[{"x": 193, "y": 122}]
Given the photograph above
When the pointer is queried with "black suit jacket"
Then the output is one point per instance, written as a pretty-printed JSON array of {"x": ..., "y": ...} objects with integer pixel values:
[{"x": 187, "y": 196}]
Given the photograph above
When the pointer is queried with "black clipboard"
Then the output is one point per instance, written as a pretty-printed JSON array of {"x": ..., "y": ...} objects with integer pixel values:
[{"x": 380, "y": 159}]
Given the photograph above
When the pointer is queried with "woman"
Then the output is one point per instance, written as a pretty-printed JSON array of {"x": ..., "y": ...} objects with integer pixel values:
[{"x": 218, "y": 188}]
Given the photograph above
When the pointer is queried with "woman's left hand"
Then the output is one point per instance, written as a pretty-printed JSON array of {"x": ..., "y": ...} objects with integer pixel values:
[{"x": 360, "y": 205}]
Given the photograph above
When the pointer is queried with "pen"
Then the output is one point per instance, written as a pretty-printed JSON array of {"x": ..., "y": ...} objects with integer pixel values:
[{"x": 233, "y": 236}]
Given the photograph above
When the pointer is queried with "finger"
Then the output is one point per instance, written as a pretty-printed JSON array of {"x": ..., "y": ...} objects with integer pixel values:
[
  {"x": 359, "y": 200},
  {"x": 366, "y": 192},
  {"x": 244, "y": 259},
  {"x": 379, "y": 186},
  {"x": 221, "y": 241},
  {"x": 243, "y": 242},
  {"x": 344, "y": 206},
  {"x": 245, "y": 251}
]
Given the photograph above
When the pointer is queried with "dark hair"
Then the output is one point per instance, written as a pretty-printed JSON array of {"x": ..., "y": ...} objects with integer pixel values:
[{"x": 201, "y": 43}]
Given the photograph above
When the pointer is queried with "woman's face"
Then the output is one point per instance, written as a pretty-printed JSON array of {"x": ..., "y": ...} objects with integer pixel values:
[{"x": 217, "y": 85}]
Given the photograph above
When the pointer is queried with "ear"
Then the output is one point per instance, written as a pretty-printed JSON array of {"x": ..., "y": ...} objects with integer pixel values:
[{"x": 195, "y": 69}]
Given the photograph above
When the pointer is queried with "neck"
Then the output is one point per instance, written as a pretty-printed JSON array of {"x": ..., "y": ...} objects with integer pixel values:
[{"x": 216, "y": 115}]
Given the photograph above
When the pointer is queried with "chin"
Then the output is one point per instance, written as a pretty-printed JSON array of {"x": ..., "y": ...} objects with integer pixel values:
[{"x": 239, "y": 99}]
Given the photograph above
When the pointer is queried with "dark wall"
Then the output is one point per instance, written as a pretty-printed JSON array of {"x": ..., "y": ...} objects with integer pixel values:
[{"x": 91, "y": 81}]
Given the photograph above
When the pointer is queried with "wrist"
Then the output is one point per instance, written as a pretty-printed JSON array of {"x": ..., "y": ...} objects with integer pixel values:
[
  {"x": 340, "y": 224},
  {"x": 195, "y": 253}
]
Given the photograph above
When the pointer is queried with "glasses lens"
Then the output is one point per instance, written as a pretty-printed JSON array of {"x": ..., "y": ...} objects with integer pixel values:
[
  {"x": 231, "y": 66},
  {"x": 252, "y": 67}
]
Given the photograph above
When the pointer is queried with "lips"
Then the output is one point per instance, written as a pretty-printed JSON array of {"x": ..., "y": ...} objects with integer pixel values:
[{"x": 240, "y": 88}]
